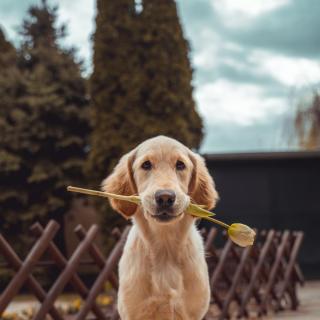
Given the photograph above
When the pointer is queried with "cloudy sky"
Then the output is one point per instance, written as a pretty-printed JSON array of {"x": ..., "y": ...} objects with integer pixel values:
[{"x": 254, "y": 60}]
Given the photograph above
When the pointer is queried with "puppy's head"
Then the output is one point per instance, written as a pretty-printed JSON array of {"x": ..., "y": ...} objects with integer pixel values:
[{"x": 166, "y": 175}]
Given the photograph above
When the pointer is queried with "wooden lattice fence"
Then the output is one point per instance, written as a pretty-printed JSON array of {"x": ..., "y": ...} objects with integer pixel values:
[
  {"x": 252, "y": 281},
  {"x": 244, "y": 282}
]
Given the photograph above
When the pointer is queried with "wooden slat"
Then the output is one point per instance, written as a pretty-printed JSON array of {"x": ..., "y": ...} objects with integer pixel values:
[
  {"x": 111, "y": 263},
  {"x": 255, "y": 274},
  {"x": 62, "y": 262},
  {"x": 290, "y": 267},
  {"x": 22, "y": 275},
  {"x": 67, "y": 273},
  {"x": 274, "y": 270},
  {"x": 15, "y": 263},
  {"x": 237, "y": 277},
  {"x": 97, "y": 255}
]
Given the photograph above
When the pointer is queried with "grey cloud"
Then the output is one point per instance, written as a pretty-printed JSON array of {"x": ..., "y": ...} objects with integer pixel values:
[
  {"x": 292, "y": 30},
  {"x": 247, "y": 75},
  {"x": 271, "y": 134}
]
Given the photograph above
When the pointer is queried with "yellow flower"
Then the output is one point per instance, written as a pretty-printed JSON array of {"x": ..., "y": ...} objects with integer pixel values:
[
  {"x": 104, "y": 300},
  {"x": 74, "y": 306},
  {"x": 9, "y": 316},
  {"x": 241, "y": 234}
]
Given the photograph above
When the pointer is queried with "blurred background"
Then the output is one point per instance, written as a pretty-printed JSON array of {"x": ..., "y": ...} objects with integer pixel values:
[{"x": 82, "y": 82}]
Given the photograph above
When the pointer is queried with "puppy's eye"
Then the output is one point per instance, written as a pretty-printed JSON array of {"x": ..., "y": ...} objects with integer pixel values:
[
  {"x": 147, "y": 165},
  {"x": 180, "y": 165}
]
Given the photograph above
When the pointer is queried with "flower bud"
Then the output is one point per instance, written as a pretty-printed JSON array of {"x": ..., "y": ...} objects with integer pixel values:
[{"x": 241, "y": 234}]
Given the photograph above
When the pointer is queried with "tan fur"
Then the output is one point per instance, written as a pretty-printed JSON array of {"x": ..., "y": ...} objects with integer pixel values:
[{"x": 163, "y": 273}]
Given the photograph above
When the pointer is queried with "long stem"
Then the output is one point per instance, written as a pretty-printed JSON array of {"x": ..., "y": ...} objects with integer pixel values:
[
  {"x": 102, "y": 194},
  {"x": 222, "y": 224},
  {"x": 87, "y": 191}
]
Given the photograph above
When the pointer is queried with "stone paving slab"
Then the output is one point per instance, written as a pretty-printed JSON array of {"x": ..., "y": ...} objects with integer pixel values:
[{"x": 309, "y": 308}]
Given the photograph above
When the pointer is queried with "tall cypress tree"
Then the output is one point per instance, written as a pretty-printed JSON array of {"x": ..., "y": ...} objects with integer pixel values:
[
  {"x": 52, "y": 127},
  {"x": 113, "y": 89},
  {"x": 141, "y": 83},
  {"x": 166, "y": 76}
]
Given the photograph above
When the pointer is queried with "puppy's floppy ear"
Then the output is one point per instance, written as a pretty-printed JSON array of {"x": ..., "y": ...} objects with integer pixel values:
[
  {"x": 121, "y": 181},
  {"x": 202, "y": 187}
]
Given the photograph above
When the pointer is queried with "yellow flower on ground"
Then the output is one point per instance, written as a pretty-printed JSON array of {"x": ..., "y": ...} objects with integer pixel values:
[
  {"x": 75, "y": 306},
  {"x": 9, "y": 316},
  {"x": 104, "y": 300},
  {"x": 241, "y": 234}
]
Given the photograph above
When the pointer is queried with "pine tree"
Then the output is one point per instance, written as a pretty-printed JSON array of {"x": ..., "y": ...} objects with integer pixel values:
[
  {"x": 7, "y": 51},
  {"x": 141, "y": 83},
  {"x": 13, "y": 187},
  {"x": 52, "y": 125}
]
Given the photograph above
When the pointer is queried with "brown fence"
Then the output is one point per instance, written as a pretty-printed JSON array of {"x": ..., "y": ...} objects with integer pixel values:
[
  {"x": 244, "y": 282},
  {"x": 252, "y": 281}
]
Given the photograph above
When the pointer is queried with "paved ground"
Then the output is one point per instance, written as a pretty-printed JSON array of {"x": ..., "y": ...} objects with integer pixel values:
[
  {"x": 310, "y": 304},
  {"x": 309, "y": 309},
  {"x": 26, "y": 302}
]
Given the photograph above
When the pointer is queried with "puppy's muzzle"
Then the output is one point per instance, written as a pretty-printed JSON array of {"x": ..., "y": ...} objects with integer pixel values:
[{"x": 165, "y": 200}]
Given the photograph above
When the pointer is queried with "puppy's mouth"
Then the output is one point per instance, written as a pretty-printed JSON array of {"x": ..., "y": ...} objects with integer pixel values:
[{"x": 165, "y": 216}]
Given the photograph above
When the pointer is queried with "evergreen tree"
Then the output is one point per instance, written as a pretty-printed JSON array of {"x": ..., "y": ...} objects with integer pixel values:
[
  {"x": 113, "y": 94},
  {"x": 13, "y": 186},
  {"x": 166, "y": 75},
  {"x": 113, "y": 88},
  {"x": 141, "y": 83},
  {"x": 52, "y": 125},
  {"x": 7, "y": 51}
]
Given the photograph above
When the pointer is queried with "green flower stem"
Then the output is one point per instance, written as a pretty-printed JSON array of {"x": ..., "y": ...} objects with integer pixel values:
[
  {"x": 134, "y": 199},
  {"x": 222, "y": 224}
]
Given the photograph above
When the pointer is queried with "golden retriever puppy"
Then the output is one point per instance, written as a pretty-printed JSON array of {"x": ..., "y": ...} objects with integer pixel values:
[{"x": 162, "y": 272}]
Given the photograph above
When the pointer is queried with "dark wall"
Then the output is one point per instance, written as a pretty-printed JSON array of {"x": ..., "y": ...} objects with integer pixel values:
[{"x": 278, "y": 190}]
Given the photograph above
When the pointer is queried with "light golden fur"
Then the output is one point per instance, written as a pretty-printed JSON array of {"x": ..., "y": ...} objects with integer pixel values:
[{"x": 163, "y": 273}]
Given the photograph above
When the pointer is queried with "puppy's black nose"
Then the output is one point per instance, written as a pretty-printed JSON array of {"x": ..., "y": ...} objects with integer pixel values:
[{"x": 165, "y": 198}]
